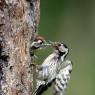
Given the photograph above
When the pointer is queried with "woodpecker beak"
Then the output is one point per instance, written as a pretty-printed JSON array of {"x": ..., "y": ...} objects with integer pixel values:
[
  {"x": 54, "y": 44},
  {"x": 51, "y": 42},
  {"x": 45, "y": 44}
]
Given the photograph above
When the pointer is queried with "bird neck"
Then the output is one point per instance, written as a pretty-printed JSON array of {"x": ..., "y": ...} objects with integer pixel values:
[{"x": 60, "y": 54}]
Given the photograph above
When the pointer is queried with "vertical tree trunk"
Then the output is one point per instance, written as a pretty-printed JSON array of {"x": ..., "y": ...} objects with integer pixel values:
[{"x": 19, "y": 21}]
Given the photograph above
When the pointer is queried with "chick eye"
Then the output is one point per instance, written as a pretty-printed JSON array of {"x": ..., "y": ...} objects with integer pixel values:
[{"x": 41, "y": 42}]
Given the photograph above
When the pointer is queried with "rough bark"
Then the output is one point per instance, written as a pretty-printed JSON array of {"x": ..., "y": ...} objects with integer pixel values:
[{"x": 19, "y": 21}]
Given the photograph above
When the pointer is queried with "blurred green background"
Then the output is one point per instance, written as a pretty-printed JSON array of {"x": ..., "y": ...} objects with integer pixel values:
[{"x": 72, "y": 22}]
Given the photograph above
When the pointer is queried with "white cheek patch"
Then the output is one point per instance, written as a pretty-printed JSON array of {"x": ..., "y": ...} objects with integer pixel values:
[{"x": 62, "y": 49}]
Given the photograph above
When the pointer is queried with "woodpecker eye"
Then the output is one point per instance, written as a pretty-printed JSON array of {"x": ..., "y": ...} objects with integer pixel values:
[{"x": 59, "y": 45}]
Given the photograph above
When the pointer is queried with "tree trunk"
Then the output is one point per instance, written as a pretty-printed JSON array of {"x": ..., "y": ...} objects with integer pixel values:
[{"x": 19, "y": 21}]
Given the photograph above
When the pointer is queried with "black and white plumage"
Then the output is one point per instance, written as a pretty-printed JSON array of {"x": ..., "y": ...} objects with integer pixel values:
[
  {"x": 62, "y": 79},
  {"x": 50, "y": 66}
]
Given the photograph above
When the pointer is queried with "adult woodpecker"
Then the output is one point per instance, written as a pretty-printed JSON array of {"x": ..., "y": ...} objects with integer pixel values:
[
  {"x": 49, "y": 67},
  {"x": 62, "y": 78}
]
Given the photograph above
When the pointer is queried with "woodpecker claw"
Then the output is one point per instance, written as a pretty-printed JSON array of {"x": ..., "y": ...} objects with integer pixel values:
[
  {"x": 38, "y": 67},
  {"x": 32, "y": 65}
]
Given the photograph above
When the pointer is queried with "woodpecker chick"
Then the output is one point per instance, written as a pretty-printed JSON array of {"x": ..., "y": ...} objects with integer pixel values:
[
  {"x": 62, "y": 79},
  {"x": 51, "y": 63},
  {"x": 37, "y": 44}
]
